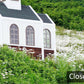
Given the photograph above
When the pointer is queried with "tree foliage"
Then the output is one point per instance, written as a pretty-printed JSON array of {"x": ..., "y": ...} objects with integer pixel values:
[{"x": 67, "y": 13}]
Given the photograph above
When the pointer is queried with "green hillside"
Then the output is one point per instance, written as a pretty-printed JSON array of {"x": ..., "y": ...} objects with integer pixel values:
[{"x": 66, "y": 13}]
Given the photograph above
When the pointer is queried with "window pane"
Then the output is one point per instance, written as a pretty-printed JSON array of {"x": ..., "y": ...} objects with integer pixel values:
[
  {"x": 47, "y": 39},
  {"x": 30, "y": 36},
  {"x": 14, "y": 35}
]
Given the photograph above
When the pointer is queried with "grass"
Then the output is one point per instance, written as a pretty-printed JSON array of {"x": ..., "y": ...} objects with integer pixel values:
[
  {"x": 60, "y": 31},
  {"x": 69, "y": 44},
  {"x": 71, "y": 33}
]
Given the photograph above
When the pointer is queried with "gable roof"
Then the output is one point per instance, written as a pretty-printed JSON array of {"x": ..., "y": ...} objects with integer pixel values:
[
  {"x": 45, "y": 18},
  {"x": 25, "y": 13}
]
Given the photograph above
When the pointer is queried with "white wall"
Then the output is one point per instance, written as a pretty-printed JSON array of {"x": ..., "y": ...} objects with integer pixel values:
[
  {"x": 11, "y": 4},
  {"x": 1, "y": 30},
  {"x": 52, "y": 29},
  {"x": 22, "y": 24}
]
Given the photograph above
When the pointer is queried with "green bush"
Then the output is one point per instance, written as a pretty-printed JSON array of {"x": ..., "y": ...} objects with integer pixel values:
[{"x": 18, "y": 68}]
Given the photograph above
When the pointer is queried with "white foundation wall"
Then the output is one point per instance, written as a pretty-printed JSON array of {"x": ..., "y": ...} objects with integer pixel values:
[{"x": 22, "y": 24}]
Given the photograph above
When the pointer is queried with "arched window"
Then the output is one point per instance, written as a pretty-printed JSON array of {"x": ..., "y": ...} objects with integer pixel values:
[
  {"x": 14, "y": 34},
  {"x": 30, "y": 36},
  {"x": 47, "y": 38}
]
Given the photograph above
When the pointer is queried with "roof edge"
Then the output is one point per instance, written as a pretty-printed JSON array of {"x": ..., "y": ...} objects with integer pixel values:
[
  {"x": 50, "y": 19},
  {"x": 35, "y": 13}
]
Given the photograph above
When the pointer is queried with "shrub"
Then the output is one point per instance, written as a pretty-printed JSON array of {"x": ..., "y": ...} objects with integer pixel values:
[{"x": 18, "y": 68}]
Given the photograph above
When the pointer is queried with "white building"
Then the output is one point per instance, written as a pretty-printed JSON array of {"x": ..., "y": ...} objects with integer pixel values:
[{"x": 21, "y": 27}]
